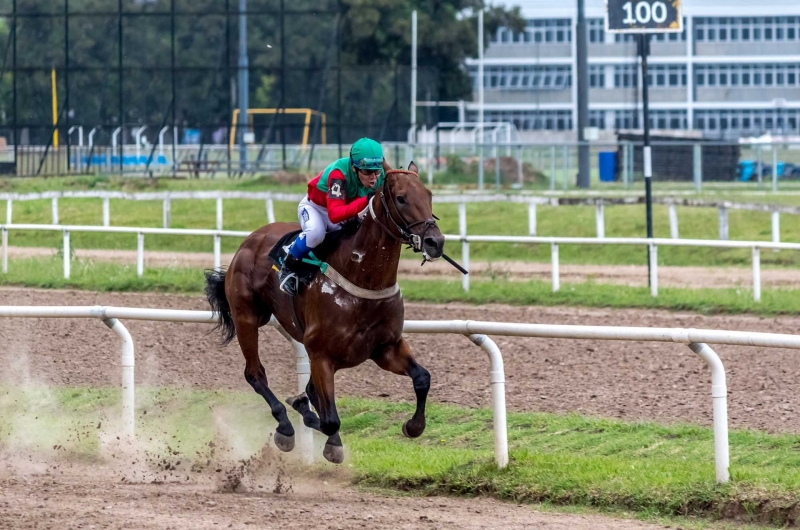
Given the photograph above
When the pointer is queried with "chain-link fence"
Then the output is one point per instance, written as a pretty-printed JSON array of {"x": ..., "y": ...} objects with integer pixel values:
[{"x": 151, "y": 85}]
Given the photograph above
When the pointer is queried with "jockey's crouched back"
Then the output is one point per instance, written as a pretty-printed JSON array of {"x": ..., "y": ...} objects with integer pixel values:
[{"x": 336, "y": 195}]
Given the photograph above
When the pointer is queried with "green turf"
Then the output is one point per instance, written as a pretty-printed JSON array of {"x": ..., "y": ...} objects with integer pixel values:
[
  {"x": 563, "y": 460},
  {"x": 483, "y": 218},
  {"x": 102, "y": 276}
]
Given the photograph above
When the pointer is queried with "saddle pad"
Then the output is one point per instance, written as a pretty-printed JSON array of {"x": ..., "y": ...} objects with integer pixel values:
[{"x": 306, "y": 271}]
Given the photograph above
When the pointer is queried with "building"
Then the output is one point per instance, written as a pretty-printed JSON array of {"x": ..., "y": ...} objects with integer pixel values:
[{"x": 734, "y": 71}]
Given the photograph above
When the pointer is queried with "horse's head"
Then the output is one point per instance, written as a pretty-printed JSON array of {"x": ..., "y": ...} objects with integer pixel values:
[{"x": 407, "y": 203}]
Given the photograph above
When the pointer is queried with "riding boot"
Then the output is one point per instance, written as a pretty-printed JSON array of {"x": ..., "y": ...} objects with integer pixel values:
[{"x": 287, "y": 278}]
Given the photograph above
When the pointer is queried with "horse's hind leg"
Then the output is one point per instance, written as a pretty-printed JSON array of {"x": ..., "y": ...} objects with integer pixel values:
[
  {"x": 254, "y": 373},
  {"x": 397, "y": 358}
]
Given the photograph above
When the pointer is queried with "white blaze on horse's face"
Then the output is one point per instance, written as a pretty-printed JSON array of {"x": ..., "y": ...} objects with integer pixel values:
[{"x": 357, "y": 256}]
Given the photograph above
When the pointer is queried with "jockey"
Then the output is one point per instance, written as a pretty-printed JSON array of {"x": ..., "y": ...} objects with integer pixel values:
[{"x": 338, "y": 194}]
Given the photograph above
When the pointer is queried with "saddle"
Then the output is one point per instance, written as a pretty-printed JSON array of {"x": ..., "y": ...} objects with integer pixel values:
[
  {"x": 307, "y": 271},
  {"x": 314, "y": 263}
]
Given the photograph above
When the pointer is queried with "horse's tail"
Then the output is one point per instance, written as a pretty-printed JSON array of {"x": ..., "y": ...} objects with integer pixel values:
[{"x": 215, "y": 292}]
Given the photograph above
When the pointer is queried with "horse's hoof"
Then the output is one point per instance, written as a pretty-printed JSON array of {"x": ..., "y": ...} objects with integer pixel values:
[
  {"x": 410, "y": 434},
  {"x": 333, "y": 453},
  {"x": 284, "y": 443}
]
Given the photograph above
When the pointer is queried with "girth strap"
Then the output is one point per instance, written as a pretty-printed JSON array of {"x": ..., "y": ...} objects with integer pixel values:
[{"x": 355, "y": 290}]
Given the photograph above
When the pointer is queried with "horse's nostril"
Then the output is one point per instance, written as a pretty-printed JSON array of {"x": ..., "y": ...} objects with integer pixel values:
[{"x": 431, "y": 242}]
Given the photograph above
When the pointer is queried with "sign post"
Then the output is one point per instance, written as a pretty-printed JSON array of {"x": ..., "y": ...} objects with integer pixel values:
[{"x": 644, "y": 17}]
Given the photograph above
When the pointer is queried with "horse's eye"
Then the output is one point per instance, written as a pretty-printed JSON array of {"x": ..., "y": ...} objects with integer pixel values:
[{"x": 401, "y": 199}]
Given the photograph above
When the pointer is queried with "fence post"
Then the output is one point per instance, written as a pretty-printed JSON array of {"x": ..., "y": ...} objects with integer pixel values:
[
  {"x": 552, "y": 168},
  {"x": 723, "y": 223},
  {"x": 462, "y": 231},
  {"x": 496, "y": 163},
  {"x": 66, "y": 255},
  {"x": 217, "y": 251},
  {"x": 697, "y": 165},
  {"x": 219, "y": 213},
  {"x": 106, "y": 212},
  {"x": 653, "y": 270},
  {"x": 565, "y": 164},
  {"x": 776, "y": 228},
  {"x": 673, "y": 221},
  {"x": 139, "y": 254},
  {"x": 599, "y": 220},
  {"x": 774, "y": 167},
  {"x": 532, "y": 219},
  {"x": 5, "y": 251},
  {"x": 719, "y": 395},
  {"x": 760, "y": 164},
  {"x": 519, "y": 166},
  {"x": 625, "y": 164},
  {"x": 54, "y": 208},
  {"x": 167, "y": 212},
  {"x": 554, "y": 267},
  {"x": 756, "y": 274},
  {"x": 270, "y": 210},
  {"x": 9, "y": 205},
  {"x": 429, "y": 152}
]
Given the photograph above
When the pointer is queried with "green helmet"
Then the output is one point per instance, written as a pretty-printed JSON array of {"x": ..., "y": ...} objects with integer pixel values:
[{"x": 366, "y": 154}]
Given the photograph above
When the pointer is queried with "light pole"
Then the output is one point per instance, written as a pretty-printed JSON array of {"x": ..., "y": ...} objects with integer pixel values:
[{"x": 243, "y": 84}]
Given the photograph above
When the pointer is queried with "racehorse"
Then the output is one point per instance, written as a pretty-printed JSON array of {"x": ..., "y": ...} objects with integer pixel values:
[{"x": 342, "y": 318}]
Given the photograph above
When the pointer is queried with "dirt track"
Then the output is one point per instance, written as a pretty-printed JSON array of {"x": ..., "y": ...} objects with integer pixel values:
[
  {"x": 633, "y": 275},
  {"x": 661, "y": 381},
  {"x": 664, "y": 382}
]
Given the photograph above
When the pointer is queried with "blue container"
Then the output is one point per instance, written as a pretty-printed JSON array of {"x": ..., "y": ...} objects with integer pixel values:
[
  {"x": 608, "y": 166},
  {"x": 746, "y": 170}
]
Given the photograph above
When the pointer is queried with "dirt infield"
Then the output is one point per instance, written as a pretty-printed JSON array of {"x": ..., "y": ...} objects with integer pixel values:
[{"x": 664, "y": 382}]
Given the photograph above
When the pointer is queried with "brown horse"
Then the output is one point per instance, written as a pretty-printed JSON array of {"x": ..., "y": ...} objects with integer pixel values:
[{"x": 339, "y": 329}]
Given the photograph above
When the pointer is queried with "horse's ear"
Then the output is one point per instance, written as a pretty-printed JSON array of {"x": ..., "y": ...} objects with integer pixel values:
[{"x": 413, "y": 167}]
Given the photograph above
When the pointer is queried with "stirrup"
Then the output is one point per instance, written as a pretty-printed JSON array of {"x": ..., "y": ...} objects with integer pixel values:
[{"x": 289, "y": 287}]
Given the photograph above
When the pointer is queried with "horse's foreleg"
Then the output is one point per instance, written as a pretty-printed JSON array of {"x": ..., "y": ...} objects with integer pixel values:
[
  {"x": 322, "y": 397},
  {"x": 254, "y": 373},
  {"x": 397, "y": 358}
]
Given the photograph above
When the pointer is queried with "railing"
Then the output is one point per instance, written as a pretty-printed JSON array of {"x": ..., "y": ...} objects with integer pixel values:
[
  {"x": 465, "y": 240},
  {"x": 269, "y": 199},
  {"x": 696, "y": 339}
]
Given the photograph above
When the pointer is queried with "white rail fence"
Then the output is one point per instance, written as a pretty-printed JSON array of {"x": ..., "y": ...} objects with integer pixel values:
[
  {"x": 269, "y": 199},
  {"x": 465, "y": 240},
  {"x": 696, "y": 339}
]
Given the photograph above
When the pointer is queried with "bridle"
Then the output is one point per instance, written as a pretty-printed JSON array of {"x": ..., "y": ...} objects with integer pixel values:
[{"x": 406, "y": 236}]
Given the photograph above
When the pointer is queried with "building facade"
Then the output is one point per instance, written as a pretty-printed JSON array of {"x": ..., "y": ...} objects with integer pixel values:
[{"x": 734, "y": 71}]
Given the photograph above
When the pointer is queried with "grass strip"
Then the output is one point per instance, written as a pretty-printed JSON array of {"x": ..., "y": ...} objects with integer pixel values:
[
  {"x": 482, "y": 218},
  {"x": 103, "y": 276},
  {"x": 651, "y": 469}
]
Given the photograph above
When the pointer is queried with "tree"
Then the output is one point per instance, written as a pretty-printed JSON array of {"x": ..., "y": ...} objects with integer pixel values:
[{"x": 375, "y": 54}]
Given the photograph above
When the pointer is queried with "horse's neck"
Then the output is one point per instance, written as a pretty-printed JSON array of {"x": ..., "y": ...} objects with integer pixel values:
[{"x": 370, "y": 258}]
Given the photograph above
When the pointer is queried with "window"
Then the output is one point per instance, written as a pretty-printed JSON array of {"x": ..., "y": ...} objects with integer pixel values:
[
  {"x": 524, "y": 77},
  {"x": 625, "y": 76},
  {"x": 597, "y": 77},
  {"x": 737, "y": 122},
  {"x": 538, "y": 30},
  {"x": 530, "y": 119},
  {"x": 757, "y": 75},
  {"x": 596, "y": 30},
  {"x": 742, "y": 29}
]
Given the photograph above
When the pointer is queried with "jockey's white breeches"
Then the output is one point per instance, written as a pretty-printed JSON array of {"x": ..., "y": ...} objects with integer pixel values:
[{"x": 314, "y": 222}]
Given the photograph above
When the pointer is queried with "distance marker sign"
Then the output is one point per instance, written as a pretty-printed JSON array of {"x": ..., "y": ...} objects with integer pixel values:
[{"x": 643, "y": 16}]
